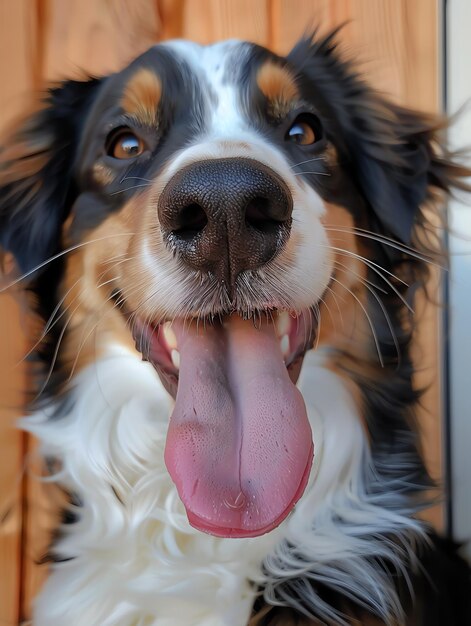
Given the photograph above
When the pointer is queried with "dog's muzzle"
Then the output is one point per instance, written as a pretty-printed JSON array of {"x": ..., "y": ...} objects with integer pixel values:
[
  {"x": 225, "y": 216},
  {"x": 239, "y": 444}
]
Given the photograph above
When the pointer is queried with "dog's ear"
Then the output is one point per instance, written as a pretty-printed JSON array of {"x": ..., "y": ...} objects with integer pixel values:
[
  {"x": 36, "y": 183},
  {"x": 396, "y": 156},
  {"x": 400, "y": 160}
]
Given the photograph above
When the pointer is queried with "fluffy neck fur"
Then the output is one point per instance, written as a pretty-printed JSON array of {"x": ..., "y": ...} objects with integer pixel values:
[{"x": 131, "y": 558}]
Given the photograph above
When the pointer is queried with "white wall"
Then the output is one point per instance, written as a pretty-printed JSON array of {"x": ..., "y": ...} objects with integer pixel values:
[{"x": 459, "y": 92}]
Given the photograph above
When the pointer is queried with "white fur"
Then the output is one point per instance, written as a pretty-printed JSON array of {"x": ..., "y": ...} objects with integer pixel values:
[
  {"x": 210, "y": 64},
  {"x": 137, "y": 562}
]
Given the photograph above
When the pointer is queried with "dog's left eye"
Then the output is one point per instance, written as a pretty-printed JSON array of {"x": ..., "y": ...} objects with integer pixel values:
[
  {"x": 305, "y": 131},
  {"x": 124, "y": 144}
]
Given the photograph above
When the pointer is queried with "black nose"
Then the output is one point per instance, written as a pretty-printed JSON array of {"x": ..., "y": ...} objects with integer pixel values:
[{"x": 226, "y": 215}]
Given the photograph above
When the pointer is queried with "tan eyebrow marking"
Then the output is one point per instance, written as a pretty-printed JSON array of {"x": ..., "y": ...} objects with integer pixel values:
[
  {"x": 278, "y": 85},
  {"x": 141, "y": 97},
  {"x": 102, "y": 175}
]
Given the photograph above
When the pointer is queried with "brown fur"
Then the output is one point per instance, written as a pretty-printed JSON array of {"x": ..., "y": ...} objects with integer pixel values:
[
  {"x": 278, "y": 85},
  {"x": 91, "y": 272},
  {"x": 141, "y": 97},
  {"x": 102, "y": 175}
]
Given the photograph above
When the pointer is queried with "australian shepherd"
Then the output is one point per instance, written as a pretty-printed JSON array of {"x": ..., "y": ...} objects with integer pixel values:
[{"x": 223, "y": 247}]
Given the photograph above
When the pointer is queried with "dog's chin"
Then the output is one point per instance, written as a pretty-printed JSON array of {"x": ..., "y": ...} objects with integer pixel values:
[{"x": 239, "y": 446}]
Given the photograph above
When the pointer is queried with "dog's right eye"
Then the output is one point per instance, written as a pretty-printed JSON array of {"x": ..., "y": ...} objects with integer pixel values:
[
  {"x": 124, "y": 144},
  {"x": 305, "y": 131}
]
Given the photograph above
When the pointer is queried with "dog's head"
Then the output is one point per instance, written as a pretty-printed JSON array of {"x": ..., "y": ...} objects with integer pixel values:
[{"x": 206, "y": 203}]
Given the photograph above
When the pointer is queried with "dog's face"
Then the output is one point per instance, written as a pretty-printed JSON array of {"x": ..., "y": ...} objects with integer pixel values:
[
  {"x": 208, "y": 197},
  {"x": 192, "y": 158}
]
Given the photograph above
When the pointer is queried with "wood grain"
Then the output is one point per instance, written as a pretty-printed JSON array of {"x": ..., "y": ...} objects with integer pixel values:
[
  {"x": 17, "y": 72},
  {"x": 89, "y": 37},
  {"x": 206, "y": 21},
  {"x": 421, "y": 90},
  {"x": 12, "y": 452}
]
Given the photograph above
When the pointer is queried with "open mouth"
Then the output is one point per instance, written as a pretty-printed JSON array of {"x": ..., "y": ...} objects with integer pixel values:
[{"x": 239, "y": 446}]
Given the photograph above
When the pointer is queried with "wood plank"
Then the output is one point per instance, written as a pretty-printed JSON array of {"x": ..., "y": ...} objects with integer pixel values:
[
  {"x": 422, "y": 62},
  {"x": 86, "y": 36},
  {"x": 197, "y": 21},
  {"x": 17, "y": 37},
  {"x": 41, "y": 516},
  {"x": 11, "y": 463},
  {"x": 171, "y": 16},
  {"x": 290, "y": 19},
  {"x": 206, "y": 21},
  {"x": 422, "y": 79}
]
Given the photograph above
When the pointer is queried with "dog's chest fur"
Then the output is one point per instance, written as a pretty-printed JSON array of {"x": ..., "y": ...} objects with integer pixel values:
[{"x": 134, "y": 557}]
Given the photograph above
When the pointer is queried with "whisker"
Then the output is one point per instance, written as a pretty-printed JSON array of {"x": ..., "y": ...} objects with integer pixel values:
[
  {"x": 389, "y": 323},
  {"x": 371, "y": 263},
  {"x": 107, "y": 282},
  {"x": 319, "y": 325},
  {"x": 59, "y": 254},
  {"x": 373, "y": 331},
  {"x": 329, "y": 310},
  {"x": 115, "y": 193},
  {"x": 51, "y": 321},
  {"x": 363, "y": 280},
  {"x": 84, "y": 338},
  {"x": 378, "y": 269},
  {"x": 320, "y": 158},
  {"x": 61, "y": 336},
  {"x": 54, "y": 357},
  {"x": 147, "y": 180},
  {"x": 388, "y": 241},
  {"x": 318, "y": 173},
  {"x": 371, "y": 288}
]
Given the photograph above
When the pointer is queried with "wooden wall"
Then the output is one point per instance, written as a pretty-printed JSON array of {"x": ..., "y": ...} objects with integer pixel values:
[{"x": 395, "y": 43}]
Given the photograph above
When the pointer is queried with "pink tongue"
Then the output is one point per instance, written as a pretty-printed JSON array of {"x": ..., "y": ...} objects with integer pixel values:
[{"x": 239, "y": 445}]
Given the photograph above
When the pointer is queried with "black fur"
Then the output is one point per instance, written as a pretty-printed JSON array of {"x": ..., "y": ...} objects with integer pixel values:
[
  {"x": 33, "y": 209},
  {"x": 440, "y": 588}
]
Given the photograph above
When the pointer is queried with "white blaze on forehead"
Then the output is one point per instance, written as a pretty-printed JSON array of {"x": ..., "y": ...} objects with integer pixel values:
[
  {"x": 303, "y": 267},
  {"x": 215, "y": 64}
]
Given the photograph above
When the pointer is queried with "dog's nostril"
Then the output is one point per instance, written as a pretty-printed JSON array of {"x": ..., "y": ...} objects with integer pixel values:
[
  {"x": 191, "y": 220},
  {"x": 225, "y": 216},
  {"x": 259, "y": 215}
]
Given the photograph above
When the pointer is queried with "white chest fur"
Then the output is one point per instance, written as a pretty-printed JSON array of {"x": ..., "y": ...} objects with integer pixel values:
[{"x": 135, "y": 559}]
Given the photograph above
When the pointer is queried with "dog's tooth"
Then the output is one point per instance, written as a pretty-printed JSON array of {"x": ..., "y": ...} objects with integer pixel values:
[
  {"x": 175, "y": 358},
  {"x": 283, "y": 323},
  {"x": 284, "y": 345},
  {"x": 169, "y": 336}
]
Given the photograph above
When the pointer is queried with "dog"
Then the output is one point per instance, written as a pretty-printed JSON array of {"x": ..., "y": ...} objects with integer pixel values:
[{"x": 222, "y": 248}]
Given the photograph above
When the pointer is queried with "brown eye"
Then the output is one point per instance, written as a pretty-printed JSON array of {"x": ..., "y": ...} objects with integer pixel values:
[
  {"x": 305, "y": 131},
  {"x": 124, "y": 144}
]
